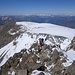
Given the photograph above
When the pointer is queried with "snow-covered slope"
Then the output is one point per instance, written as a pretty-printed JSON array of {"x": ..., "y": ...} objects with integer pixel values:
[
  {"x": 25, "y": 40},
  {"x": 48, "y": 29}
]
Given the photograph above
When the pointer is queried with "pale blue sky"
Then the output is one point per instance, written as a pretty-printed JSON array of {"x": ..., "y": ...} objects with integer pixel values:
[{"x": 56, "y": 7}]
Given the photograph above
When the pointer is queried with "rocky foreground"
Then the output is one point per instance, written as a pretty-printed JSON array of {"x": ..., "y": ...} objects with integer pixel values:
[{"x": 45, "y": 59}]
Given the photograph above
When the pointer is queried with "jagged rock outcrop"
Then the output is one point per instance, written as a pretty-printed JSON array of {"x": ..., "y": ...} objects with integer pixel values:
[
  {"x": 32, "y": 61},
  {"x": 70, "y": 70},
  {"x": 72, "y": 44}
]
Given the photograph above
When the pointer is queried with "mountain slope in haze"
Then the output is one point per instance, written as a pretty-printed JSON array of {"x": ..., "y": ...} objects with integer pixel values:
[
  {"x": 61, "y": 20},
  {"x": 25, "y": 47}
]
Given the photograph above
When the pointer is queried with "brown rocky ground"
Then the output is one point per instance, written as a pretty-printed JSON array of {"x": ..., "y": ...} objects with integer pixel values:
[
  {"x": 5, "y": 37},
  {"x": 23, "y": 62}
]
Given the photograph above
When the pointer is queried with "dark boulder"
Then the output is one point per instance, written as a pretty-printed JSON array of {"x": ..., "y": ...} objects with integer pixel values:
[{"x": 42, "y": 68}]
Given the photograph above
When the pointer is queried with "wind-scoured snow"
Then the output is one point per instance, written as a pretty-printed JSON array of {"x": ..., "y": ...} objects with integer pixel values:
[
  {"x": 65, "y": 44},
  {"x": 70, "y": 57},
  {"x": 24, "y": 41},
  {"x": 48, "y": 29}
]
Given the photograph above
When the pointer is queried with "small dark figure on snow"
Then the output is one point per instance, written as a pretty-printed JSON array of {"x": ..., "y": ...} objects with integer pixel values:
[{"x": 41, "y": 41}]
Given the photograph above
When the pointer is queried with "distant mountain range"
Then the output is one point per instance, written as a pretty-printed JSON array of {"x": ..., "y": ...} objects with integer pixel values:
[{"x": 68, "y": 21}]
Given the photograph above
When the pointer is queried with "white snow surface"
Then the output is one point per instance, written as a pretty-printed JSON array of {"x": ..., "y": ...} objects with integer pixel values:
[
  {"x": 48, "y": 28},
  {"x": 70, "y": 57},
  {"x": 24, "y": 41},
  {"x": 36, "y": 72}
]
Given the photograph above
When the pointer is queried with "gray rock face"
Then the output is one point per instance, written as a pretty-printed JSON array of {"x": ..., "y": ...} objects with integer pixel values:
[
  {"x": 70, "y": 70},
  {"x": 55, "y": 56},
  {"x": 22, "y": 72},
  {"x": 72, "y": 45}
]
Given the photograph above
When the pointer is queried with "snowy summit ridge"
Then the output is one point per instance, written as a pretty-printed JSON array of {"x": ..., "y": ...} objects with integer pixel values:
[
  {"x": 48, "y": 29},
  {"x": 30, "y": 32},
  {"x": 25, "y": 41}
]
